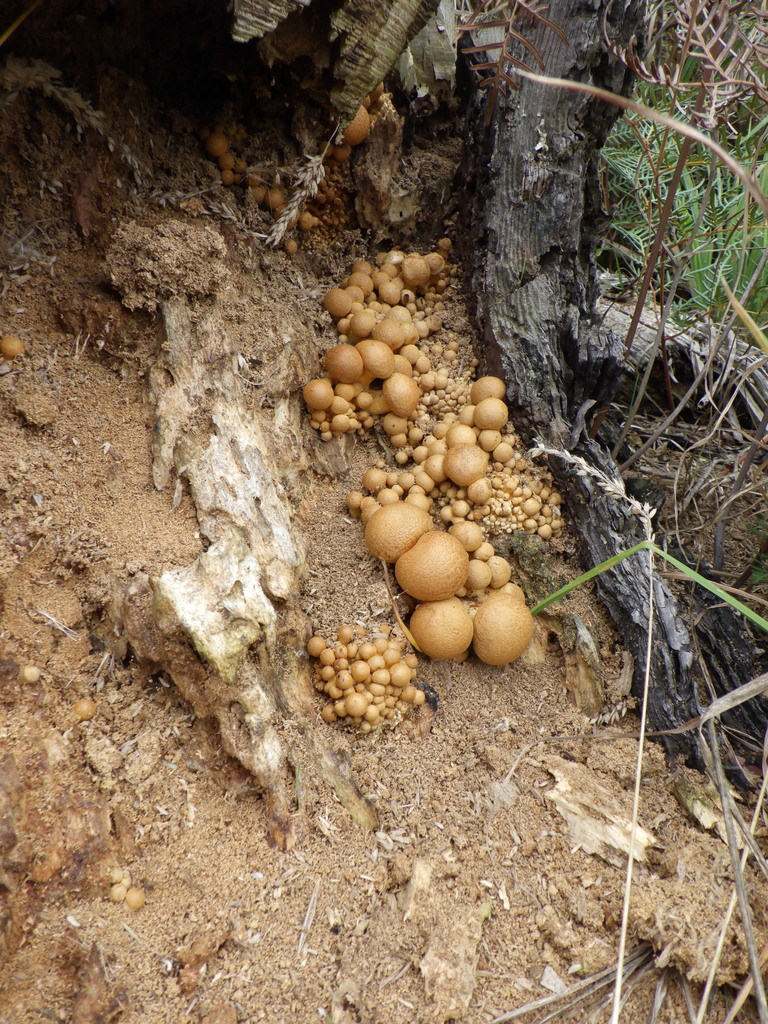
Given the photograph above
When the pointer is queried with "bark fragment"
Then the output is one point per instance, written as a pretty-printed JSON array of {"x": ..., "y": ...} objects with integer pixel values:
[{"x": 536, "y": 284}]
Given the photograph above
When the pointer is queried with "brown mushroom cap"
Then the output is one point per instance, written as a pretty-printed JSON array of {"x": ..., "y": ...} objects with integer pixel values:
[
  {"x": 389, "y": 292},
  {"x": 357, "y": 129},
  {"x": 465, "y": 463},
  {"x": 216, "y": 144},
  {"x": 415, "y": 271},
  {"x": 391, "y": 332},
  {"x": 479, "y": 575},
  {"x": 344, "y": 363},
  {"x": 501, "y": 572},
  {"x": 503, "y": 452},
  {"x": 402, "y": 393},
  {"x": 377, "y": 356},
  {"x": 318, "y": 393},
  {"x": 503, "y": 628},
  {"x": 356, "y": 704},
  {"x": 11, "y": 346},
  {"x": 469, "y": 535},
  {"x": 338, "y": 302},
  {"x": 434, "y": 568},
  {"x": 442, "y": 629},
  {"x": 491, "y": 414},
  {"x": 361, "y": 280},
  {"x": 480, "y": 491},
  {"x": 436, "y": 262},
  {"x": 393, "y": 529},
  {"x": 460, "y": 433},
  {"x": 361, "y": 325},
  {"x": 487, "y": 387}
]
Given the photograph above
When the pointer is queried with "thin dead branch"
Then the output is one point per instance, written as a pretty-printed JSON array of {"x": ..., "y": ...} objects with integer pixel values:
[{"x": 493, "y": 25}]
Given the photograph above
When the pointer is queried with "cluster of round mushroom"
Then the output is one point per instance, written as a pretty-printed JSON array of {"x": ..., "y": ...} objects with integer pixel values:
[
  {"x": 507, "y": 500},
  {"x": 436, "y": 568},
  {"x": 457, "y": 458},
  {"x": 122, "y": 889},
  {"x": 217, "y": 145},
  {"x": 381, "y": 315},
  {"x": 471, "y": 471},
  {"x": 369, "y": 680},
  {"x": 330, "y": 208}
]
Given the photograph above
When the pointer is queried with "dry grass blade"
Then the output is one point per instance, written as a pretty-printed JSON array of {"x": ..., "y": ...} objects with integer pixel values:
[
  {"x": 659, "y": 341},
  {"x": 70, "y": 633},
  {"x": 591, "y": 989},
  {"x": 307, "y": 183},
  {"x": 309, "y": 917},
  {"x": 659, "y": 995},
  {"x": 406, "y": 632},
  {"x": 724, "y": 41},
  {"x": 710, "y": 752},
  {"x": 6, "y": 35},
  {"x": 21, "y": 76},
  {"x": 747, "y": 987},
  {"x": 731, "y": 700},
  {"x": 727, "y": 41},
  {"x": 743, "y": 388},
  {"x": 617, "y": 1003},
  {"x": 745, "y": 991}
]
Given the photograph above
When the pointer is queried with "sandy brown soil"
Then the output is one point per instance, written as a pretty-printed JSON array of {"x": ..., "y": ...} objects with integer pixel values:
[{"x": 472, "y": 896}]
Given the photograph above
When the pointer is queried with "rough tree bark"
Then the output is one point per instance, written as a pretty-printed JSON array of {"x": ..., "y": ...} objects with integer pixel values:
[{"x": 535, "y": 282}]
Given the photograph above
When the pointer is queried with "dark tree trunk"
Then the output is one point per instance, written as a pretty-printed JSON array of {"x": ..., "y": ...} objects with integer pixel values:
[{"x": 534, "y": 277}]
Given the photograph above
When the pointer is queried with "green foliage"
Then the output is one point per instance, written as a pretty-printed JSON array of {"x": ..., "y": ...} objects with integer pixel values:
[
  {"x": 714, "y": 228},
  {"x": 759, "y": 567}
]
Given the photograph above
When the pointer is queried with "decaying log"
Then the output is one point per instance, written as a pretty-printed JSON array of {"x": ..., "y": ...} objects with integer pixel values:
[
  {"x": 535, "y": 281},
  {"x": 367, "y": 36},
  {"x": 229, "y": 629}
]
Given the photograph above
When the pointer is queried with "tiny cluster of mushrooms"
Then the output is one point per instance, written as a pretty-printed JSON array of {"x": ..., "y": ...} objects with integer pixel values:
[
  {"x": 325, "y": 212},
  {"x": 459, "y": 479},
  {"x": 369, "y": 679}
]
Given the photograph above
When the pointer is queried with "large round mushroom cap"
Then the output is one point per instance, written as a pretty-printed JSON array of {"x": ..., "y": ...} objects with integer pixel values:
[
  {"x": 434, "y": 568},
  {"x": 442, "y": 629},
  {"x": 503, "y": 628},
  {"x": 394, "y": 529}
]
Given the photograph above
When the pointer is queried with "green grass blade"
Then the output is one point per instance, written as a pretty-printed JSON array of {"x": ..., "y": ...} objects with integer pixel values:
[
  {"x": 713, "y": 588},
  {"x": 647, "y": 545},
  {"x": 585, "y": 577}
]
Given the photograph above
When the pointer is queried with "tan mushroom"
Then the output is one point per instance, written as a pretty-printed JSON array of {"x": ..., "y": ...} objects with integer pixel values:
[
  {"x": 503, "y": 628},
  {"x": 442, "y": 629},
  {"x": 393, "y": 529},
  {"x": 434, "y": 568}
]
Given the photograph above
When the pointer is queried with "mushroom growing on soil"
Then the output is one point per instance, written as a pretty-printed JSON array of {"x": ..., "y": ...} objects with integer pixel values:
[
  {"x": 344, "y": 363},
  {"x": 465, "y": 463},
  {"x": 393, "y": 529},
  {"x": 402, "y": 394},
  {"x": 434, "y": 568},
  {"x": 337, "y": 302},
  {"x": 442, "y": 629},
  {"x": 357, "y": 129},
  {"x": 10, "y": 347},
  {"x": 318, "y": 393},
  {"x": 503, "y": 628},
  {"x": 487, "y": 387},
  {"x": 369, "y": 681}
]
